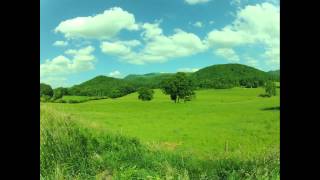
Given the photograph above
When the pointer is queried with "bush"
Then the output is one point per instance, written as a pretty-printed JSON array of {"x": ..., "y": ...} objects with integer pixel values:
[
  {"x": 271, "y": 89},
  {"x": 45, "y": 98},
  {"x": 145, "y": 94},
  {"x": 60, "y": 101},
  {"x": 45, "y": 90},
  {"x": 72, "y": 101}
]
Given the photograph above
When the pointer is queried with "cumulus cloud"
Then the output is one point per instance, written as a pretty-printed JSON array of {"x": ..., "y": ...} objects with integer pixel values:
[
  {"x": 251, "y": 62},
  {"x": 119, "y": 48},
  {"x": 60, "y": 43},
  {"x": 193, "y": 2},
  {"x": 115, "y": 74},
  {"x": 101, "y": 26},
  {"x": 187, "y": 69},
  {"x": 157, "y": 47},
  {"x": 228, "y": 54},
  {"x": 254, "y": 24},
  {"x": 79, "y": 61},
  {"x": 55, "y": 81},
  {"x": 198, "y": 24}
]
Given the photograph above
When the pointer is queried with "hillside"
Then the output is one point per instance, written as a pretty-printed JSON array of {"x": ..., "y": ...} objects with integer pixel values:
[
  {"x": 216, "y": 76},
  {"x": 224, "y": 76},
  {"x": 102, "y": 86},
  {"x": 151, "y": 80},
  {"x": 229, "y": 71}
]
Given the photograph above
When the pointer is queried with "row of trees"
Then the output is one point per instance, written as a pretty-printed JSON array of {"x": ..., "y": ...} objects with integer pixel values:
[
  {"x": 47, "y": 93},
  {"x": 180, "y": 87},
  {"x": 221, "y": 83}
]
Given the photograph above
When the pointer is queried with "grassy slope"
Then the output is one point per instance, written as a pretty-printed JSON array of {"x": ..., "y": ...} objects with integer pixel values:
[{"x": 236, "y": 116}]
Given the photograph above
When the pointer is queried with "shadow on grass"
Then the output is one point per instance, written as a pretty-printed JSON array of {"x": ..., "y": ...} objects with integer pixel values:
[{"x": 271, "y": 108}]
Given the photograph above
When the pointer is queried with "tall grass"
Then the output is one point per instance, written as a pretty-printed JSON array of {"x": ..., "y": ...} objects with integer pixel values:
[{"x": 68, "y": 151}]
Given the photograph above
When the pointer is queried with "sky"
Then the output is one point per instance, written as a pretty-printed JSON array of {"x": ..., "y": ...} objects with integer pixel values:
[{"x": 81, "y": 39}]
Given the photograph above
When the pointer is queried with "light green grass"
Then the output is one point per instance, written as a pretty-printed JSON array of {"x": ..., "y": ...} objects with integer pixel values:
[
  {"x": 237, "y": 118},
  {"x": 77, "y": 98},
  {"x": 70, "y": 151}
]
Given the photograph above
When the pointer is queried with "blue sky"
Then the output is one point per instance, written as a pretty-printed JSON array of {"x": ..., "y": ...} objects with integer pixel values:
[{"x": 80, "y": 39}]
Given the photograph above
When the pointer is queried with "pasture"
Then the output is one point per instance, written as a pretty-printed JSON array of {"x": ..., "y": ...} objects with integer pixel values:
[{"x": 218, "y": 123}]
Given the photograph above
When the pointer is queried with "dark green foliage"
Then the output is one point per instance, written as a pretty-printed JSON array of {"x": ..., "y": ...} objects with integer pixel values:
[
  {"x": 103, "y": 86},
  {"x": 275, "y": 75},
  {"x": 221, "y": 76},
  {"x": 45, "y": 90},
  {"x": 271, "y": 89},
  {"x": 179, "y": 87},
  {"x": 151, "y": 80},
  {"x": 145, "y": 94},
  {"x": 59, "y": 93},
  {"x": 225, "y": 76}
]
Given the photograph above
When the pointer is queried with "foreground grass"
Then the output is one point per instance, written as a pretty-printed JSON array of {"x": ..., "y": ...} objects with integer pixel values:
[
  {"x": 218, "y": 123},
  {"x": 68, "y": 151}
]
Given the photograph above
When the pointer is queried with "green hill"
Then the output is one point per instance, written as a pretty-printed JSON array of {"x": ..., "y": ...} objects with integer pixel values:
[
  {"x": 151, "y": 80},
  {"x": 102, "y": 86},
  {"x": 216, "y": 76},
  {"x": 229, "y": 75},
  {"x": 229, "y": 71}
]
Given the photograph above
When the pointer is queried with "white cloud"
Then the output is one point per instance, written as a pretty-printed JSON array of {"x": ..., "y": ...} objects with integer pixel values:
[
  {"x": 151, "y": 30},
  {"x": 60, "y": 43},
  {"x": 211, "y": 22},
  {"x": 193, "y": 2},
  {"x": 228, "y": 54},
  {"x": 81, "y": 60},
  {"x": 251, "y": 62},
  {"x": 115, "y": 74},
  {"x": 187, "y": 69},
  {"x": 254, "y": 24},
  {"x": 157, "y": 47},
  {"x": 55, "y": 81},
  {"x": 100, "y": 26},
  {"x": 198, "y": 24}
]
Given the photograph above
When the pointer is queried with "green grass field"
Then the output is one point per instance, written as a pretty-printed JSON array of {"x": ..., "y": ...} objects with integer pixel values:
[
  {"x": 78, "y": 98},
  {"x": 230, "y": 122}
]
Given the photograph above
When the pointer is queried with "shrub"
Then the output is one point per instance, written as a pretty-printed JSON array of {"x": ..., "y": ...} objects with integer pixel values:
[
  {"x": 270, "y": 88},
  {"x": 145, "y": 94},
  {"x": 45, "y": 98}
]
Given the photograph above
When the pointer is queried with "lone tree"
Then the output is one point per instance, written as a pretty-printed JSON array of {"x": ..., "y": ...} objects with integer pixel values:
[
  {"x": 179, "y": 87},
  {"x": 145, "y": 94},
  {"x": 45, "y": 90},
  {"x": 271, "y": 89}
]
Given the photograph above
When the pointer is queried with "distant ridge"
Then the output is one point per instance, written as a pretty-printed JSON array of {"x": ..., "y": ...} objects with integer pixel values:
[{"x": 109, "y": 86}]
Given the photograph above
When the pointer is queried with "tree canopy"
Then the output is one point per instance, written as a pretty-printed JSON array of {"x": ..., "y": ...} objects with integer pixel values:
[
  {"x": 179, "y": 87},
  {"x": 45, "y": 90}
]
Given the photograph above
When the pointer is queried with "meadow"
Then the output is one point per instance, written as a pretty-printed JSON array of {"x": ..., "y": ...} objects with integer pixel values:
[{"x": 232, "y": 122}]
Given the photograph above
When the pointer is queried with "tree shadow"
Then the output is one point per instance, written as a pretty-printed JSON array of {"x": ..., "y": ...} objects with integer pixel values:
[{"x": 271, "y": 108}]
